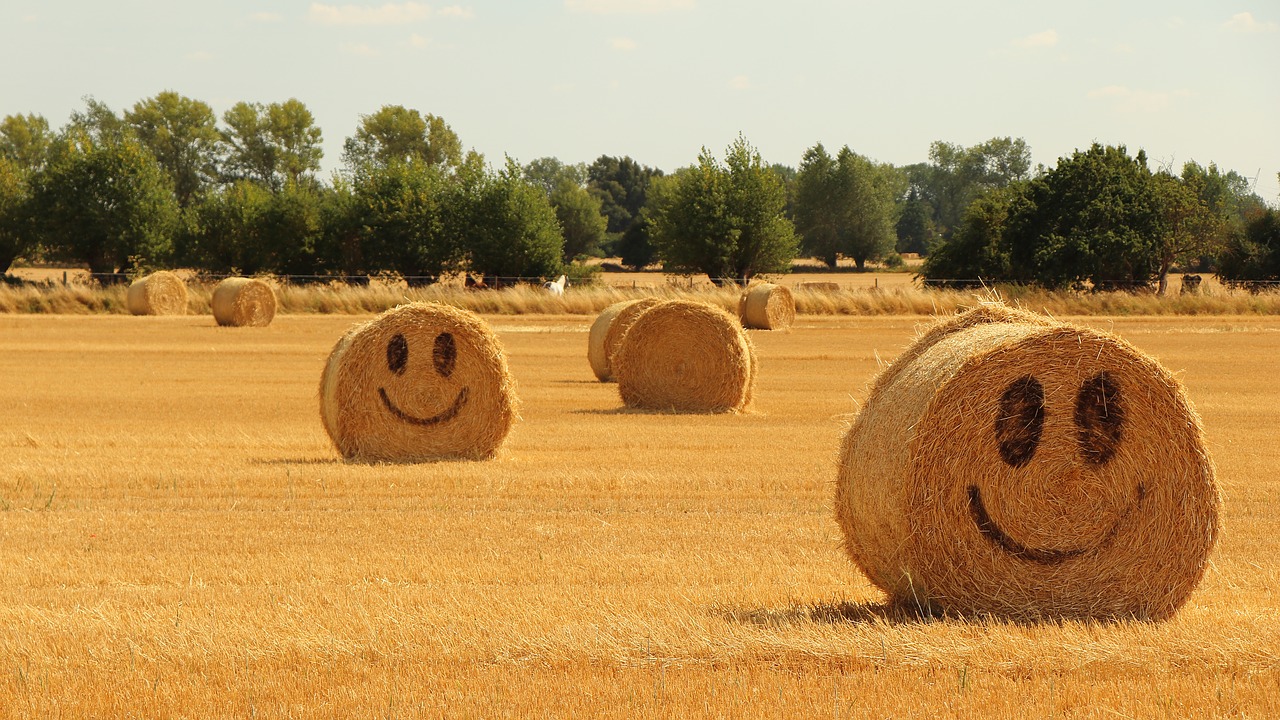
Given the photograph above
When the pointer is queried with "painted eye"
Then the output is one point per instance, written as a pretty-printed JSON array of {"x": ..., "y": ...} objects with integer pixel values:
[
  {"x": 1021, "y": 420},
  {"x": 397, "y": 354},
  {"x": 444, "y": 354},
  {"x": 1099, "y": 419}
]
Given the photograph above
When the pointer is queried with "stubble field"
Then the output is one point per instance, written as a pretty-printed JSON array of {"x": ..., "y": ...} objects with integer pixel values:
[{"x": 178, "y": 539}]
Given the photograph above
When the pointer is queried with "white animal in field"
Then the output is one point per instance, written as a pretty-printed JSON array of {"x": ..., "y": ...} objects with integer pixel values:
[{"x": 557, "y": 287}]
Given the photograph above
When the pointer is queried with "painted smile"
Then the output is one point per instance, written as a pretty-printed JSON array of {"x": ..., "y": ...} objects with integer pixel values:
[
  {"x": 448, "y": 414},
  {"x": 999, "y": 538}
]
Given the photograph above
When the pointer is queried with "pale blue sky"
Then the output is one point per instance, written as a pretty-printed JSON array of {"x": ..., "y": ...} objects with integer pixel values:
[{"x": 659, "y": 79}]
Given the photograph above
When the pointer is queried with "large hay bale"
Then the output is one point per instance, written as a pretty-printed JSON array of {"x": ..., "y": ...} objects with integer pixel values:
[
  {"x": 243, "y": 302},
  {"x": 607, "y": 331},
  {"x": 687, "y": 357},
  {"x": 1010, "y": 464},
  {"x": 160, "y": 293},
  {"x": 767, "y": 307},
  {"x": 420, "y": 382}
]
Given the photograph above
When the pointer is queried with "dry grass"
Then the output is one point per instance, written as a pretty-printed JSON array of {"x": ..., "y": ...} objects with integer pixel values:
[
  {"x": 177, "y": 539},
  {"x": 858, "y": 294}
]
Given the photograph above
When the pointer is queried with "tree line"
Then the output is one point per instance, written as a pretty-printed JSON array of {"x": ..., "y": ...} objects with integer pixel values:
[{"x": 164, "y": 183}]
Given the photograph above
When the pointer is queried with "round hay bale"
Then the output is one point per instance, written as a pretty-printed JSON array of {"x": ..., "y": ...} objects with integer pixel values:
[
  {"x": 607, "y": 331},
  {"x": 243, "y": 302},
  {"x": 420, "y": 382},
  {"x": 687, "y": 357},
  {"x": 1013, "y": 465},
  {"x": 767, "y": 307},
  {"x": 596, "y": 355},
  {"x": 160, "y": 293}
]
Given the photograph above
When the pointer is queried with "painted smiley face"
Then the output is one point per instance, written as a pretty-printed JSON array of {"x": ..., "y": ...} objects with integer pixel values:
[
  {"x": 1019, "y": 466},
  {"x": 1018, "y": 429},
  {"x": 444, "y": 356},
  {"x": 421, "y": 382}
]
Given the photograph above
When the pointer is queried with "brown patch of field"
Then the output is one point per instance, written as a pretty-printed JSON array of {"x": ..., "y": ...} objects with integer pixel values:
[{"x": 178, "y": 539}]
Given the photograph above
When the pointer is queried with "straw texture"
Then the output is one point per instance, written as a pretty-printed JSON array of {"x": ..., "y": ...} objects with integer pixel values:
[
  {"x": 160, "y": 293},
  {"x": 686, "y": 356},
  {"x": 1014, "y": 465},
  {"x": 243, "y": 302},
  {"x": 767, "y": 307},
  {"x": 420, "y": 382},
  {"x": 607, "y": 331}
]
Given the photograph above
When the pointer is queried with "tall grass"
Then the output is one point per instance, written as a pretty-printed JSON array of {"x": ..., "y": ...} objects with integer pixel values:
[{"x": 589, "y": 300}]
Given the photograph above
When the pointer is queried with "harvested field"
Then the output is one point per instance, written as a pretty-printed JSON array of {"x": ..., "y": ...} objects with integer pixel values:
[{"x": 179, "y": 539}]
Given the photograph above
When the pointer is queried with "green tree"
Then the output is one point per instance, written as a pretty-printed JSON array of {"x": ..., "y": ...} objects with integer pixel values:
[
  {"x": 271, "y": 144},
  {"x": 976, "y": 253},
  {"x": 1186, "y": 227},
  {"x": 818, "y": 205},
  {"x": 915, "y": 229},
  {"x": 581, "y": 221},
  {"x": 955, "y": 175},
  {"x": 726, "y": 220},
  {"x": 25, "y": 140},
  {"x": 338, "y": 248},
  {"x": 227, "y": 233},
  {"x": 16, "y": 235},
  {"x": 1252, "y": 251},
  {"x": 183, "y": 136},
  {"x": 578, "y": 210},
  {"x": 622, "y": 184},
  {"x": 399, "y": 134},
  {"x": 509, "y": 229},
  {"x": 97, "y": 122},
  {"x": 846, "y": 205},
  {"x": 549, "y": 173},
  {"x": 1095, "y": 217},
  {"x": 105, "y": 203},
  {"x": 404, "y": 222}
]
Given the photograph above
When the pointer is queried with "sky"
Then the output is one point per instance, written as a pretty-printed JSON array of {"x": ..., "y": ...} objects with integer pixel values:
[{"x": 658, "y": 80}]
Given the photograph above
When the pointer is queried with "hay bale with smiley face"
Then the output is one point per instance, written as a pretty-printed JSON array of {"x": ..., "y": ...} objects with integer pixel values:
[
  {"x": 686, "y": 356},
  {"x": 420, "y": 382},
  {"x": 243, "y": 302},
  {"x": 1013, "y": 465},
  {"x": 767, "y": 307},
  {"x": 160, "y": 293},
  {"x": 607, "y": 331}
]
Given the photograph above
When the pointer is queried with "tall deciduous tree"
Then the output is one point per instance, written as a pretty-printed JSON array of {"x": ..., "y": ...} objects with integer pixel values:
[
  {"x": 726, "y": 220},
  {"x": 399, "y": 134},
  {"x": 955, "y": 175},
  {"x": 622, "y": 184},
  {"x": 183, "y": 136},
  {"x": 271, "y": 144},
  {"x": 226, "y": 234},
  {"x": 1186, "y": 228},
  {"x": 1095, "y": 217},
  {"x": 846, "y": 205},
  {"x": 106, "y": 203},
  {"x": 16, "y": 235},
  {"x": 25, "y": 140},
  {"x": 509, "y": 229},
  {"x": 579, "y": 211},
  {"x": 405, "y": 220}
]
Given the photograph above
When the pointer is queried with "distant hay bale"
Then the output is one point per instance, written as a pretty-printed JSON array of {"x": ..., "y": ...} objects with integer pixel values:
[
  {"x": 823, "y": 287},
  {"x": 687, "y": 357},
  {"x": 243, "y": 302},
  {"x": 607, "y": 331},
  {"x": 420, "y": 382},
  {"x": 160, "y": 293},
  {"x": 767, "y": 307},
  {"x": 1010, "y": 464}
]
